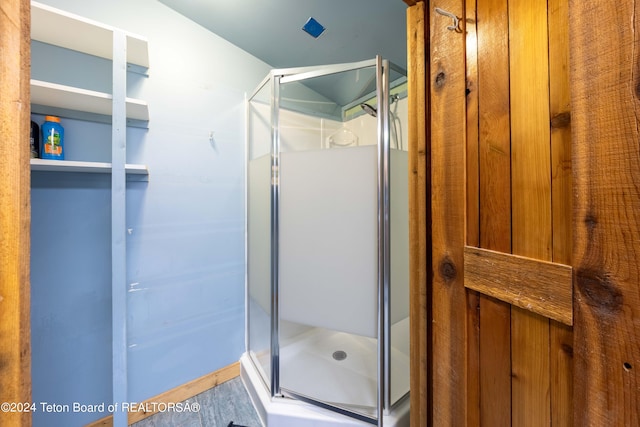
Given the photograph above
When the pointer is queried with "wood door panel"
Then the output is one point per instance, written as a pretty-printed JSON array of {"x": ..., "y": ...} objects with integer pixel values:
[
  {"x": 419, "y": 219},
  {"x": 561, "y": 336},
  {"x": 449, "y": 315},
  {"x": 494, "y": 202},
  {"x": 474, "y": 357},
  {"x": 499, "y": 174},
  {"x": 531, "y": 201}
]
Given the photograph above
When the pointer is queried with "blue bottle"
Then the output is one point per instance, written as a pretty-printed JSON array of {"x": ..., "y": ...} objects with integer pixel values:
[{"x": 52, "y": 139}]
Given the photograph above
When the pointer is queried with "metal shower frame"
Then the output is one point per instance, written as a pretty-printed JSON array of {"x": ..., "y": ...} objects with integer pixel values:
[{"x": 280, "y": 76}]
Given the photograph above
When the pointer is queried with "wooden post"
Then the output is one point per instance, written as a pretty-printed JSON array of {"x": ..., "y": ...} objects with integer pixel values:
[
  {"x": 605, "y": 92},
  {"x": 15, "y": 210}
]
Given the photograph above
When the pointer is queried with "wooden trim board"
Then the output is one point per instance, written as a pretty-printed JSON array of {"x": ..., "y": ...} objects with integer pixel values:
[
  {"x": 15, "y": 211},
  {"x": 542, "y": 287},
  {"x": 419, "y": 223},
  {"x": 178, "y": 394}
]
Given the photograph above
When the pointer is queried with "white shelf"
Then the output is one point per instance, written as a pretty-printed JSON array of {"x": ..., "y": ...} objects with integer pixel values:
[
  {"x": 72, "y": 98},
  {"x": 60, "y": 28},
  {"x": 64, "y": 29},
  {"x": 46, "y": 165}
]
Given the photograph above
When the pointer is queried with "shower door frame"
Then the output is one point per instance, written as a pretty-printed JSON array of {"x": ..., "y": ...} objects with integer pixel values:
[{"x": 276, "y": 78}]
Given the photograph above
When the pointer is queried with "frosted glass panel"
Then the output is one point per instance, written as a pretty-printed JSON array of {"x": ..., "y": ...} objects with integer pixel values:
[
  {"x": 328, "y": 239},
  {"x": 260, "y": 235},
  {"x": 399, "y": 229},
  {"x": 259, "y": 231}
]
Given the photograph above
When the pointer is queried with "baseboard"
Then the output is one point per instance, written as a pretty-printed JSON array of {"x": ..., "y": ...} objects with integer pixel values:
[{"x": 178, "y": 394}]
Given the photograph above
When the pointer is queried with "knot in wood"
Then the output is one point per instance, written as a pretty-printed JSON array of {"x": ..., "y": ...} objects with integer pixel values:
[
  {"x": 598, "y": 291},
  {"x": 440, "y": 79},
  {"x": 561, "y": 120},
  {"x": 590, "y": 220},
  {"x": 568, "y": 349},
  {"x": 447, "y": 269}
]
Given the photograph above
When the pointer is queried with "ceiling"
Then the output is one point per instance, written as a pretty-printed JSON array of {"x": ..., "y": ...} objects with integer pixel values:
[{"x": 271, "y": 30}]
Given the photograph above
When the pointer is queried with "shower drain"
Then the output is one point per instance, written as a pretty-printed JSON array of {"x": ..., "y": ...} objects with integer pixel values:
[{"x": 339, "y": 355}]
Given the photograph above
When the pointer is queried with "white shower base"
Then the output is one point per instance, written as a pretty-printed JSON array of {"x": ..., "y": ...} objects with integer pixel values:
[{"x": 307, "y": 368}]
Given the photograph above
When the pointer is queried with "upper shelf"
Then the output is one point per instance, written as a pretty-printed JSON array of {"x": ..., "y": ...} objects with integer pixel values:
[
  {"x": 55, "y": 95},
  {"x": 82, "y": 34}
]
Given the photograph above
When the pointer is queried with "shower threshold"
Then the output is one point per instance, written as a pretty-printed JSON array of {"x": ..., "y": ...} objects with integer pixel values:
[{"x": 286, "y": 412}]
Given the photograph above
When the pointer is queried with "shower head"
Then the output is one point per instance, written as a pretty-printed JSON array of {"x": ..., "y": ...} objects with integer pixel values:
[
  {"x": 372, "y": 110},
  {"x": 369, "y": 109}
]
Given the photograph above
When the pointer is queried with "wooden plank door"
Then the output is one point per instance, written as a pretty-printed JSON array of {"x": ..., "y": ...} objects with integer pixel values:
[
  {"x": 526, "y": 306},
  {"x": 499, "y": 182},
  {"x": 518, "y": 255}
]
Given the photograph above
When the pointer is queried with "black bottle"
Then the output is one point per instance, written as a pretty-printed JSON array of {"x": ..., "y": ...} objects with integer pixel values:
[{"x": 35, "y": 140}]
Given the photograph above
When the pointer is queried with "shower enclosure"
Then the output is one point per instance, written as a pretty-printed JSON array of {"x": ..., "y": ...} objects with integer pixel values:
[{"x": 327, "y": 237}]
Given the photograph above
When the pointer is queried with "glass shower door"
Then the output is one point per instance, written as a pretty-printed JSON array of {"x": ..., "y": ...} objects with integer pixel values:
[
  {"x": 328, "y": 254},
  {"x": 327, "y": 249}
]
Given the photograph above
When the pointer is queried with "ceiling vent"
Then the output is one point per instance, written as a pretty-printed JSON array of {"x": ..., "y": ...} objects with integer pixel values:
[{"x": 313, "y": 28}]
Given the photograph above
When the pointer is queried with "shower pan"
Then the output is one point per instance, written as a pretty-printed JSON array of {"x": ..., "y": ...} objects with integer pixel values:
[{"x": 328, "y": 246}]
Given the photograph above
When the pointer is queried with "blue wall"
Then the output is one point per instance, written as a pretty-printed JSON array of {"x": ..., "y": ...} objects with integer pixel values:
[{"x": 185, "y": 247}]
